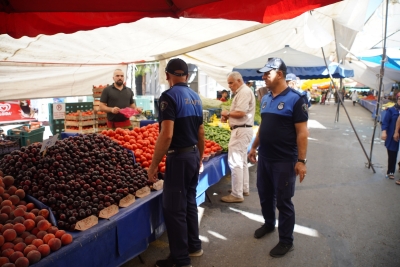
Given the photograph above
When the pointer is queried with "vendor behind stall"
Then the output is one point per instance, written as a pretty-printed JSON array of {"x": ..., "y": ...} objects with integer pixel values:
[{"x": 114, "y": 98}]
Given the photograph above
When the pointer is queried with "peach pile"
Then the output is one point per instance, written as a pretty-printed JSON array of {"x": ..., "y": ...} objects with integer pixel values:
[{"x": 26, "y": 235}]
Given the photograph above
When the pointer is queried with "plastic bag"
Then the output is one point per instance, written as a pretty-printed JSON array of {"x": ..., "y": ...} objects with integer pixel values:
[{"x": 128, "y": 112}]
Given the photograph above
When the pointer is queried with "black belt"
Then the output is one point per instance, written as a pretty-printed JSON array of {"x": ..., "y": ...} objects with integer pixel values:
[
  {"x": 239, "y": 126},
  {"x": 182, "y": 150}
]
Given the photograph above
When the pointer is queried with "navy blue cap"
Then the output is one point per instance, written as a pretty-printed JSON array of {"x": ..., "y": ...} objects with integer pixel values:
[
  {"x": 291, "y": 77},
  {"x": 176, "y": 64},
  {"x": 273, "y": 63}
]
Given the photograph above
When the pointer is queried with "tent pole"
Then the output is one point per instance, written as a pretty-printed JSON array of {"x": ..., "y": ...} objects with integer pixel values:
[
  {"x": 345, "y": 110},
  {"x": 382, "y": 73}
]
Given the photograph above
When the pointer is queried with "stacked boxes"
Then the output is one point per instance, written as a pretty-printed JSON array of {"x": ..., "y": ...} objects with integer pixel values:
[
  {"x": 57, "y": 126},
  {"x": 97, "y": 91},
  {"x": 101, "y": 121},
  {"x": 80, "y": 122}
]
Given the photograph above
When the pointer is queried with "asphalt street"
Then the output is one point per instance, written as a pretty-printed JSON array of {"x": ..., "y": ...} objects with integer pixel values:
[{"x": 346, "y": 215}]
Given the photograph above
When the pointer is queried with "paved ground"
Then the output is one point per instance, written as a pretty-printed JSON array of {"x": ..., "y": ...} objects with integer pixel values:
[{"x": 346, "y": 215}]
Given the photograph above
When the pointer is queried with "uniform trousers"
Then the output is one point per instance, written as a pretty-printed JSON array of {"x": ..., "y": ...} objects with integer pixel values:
[
  {"x": 392, "y": 159},
  {"x": 237, "y": 160},
  {"x": 179, "y": 205},
  {"x": 276, "y": 183}
]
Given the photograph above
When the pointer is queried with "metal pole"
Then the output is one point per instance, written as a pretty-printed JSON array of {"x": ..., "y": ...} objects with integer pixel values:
[
  {"x": 382, "y": 73},
  {"x": 347, "y": 114}
]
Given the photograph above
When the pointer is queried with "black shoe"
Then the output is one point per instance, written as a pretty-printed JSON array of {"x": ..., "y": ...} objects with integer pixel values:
[
  {"x": 263, "y": 230},
  {"x": 168, "y": 263},
  {"x": 281, "y": 249}
]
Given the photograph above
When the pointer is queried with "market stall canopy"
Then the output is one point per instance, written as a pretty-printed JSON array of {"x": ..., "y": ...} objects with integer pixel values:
[
  {"x": 372, "y": 58},
  {"x": 33, "y": 17},
  {"x": 303, "y": 65},
  {"x": 80, "y": 60}
]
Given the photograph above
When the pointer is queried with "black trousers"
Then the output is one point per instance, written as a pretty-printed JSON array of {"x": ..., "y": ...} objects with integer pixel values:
[
  {"x": 179, "y": 205},
  {"x": 276, "y": 184},
  {"x": 392, "y": 160}
]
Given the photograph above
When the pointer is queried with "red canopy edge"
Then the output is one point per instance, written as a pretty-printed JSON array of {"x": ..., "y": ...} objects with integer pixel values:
[{"x": 32, "y": 22}]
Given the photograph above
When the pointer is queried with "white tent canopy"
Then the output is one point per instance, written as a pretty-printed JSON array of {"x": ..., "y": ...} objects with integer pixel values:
[{"x": 69, "y": 64}]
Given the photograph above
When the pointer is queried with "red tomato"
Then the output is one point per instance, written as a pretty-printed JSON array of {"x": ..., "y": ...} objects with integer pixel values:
[
  {"x": 145, "y": 164},
  {"x": 162, "y": 169}
]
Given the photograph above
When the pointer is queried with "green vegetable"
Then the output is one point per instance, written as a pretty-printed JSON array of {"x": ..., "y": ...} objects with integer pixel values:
[{"x": 218, "y": 135}]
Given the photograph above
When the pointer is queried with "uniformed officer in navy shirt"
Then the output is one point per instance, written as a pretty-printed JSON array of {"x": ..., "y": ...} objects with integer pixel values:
[
  {"x": 282, "y": 146},
  {"x": 181, "y": 138}
]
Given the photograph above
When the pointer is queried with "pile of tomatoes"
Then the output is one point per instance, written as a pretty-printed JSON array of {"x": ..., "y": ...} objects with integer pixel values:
[
  {"x": 141, "y": 141},
  {"x": 211, "y": 147}
]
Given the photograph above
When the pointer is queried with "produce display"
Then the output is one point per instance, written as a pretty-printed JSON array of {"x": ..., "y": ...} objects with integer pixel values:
[
  {"x": 219, "y": 135},
  {"x": 77, "y": 177},
  {"x": 208, "y": 103},
  {"x": 141, "y": 141},
  {"x": 211, "y": 148},
  {"x": 26, "y": 234}
]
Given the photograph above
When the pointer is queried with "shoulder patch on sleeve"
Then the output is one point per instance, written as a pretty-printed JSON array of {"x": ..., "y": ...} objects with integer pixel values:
[
  {"x": 305, "y": 108},
  {"x": 163, "y": 105}
]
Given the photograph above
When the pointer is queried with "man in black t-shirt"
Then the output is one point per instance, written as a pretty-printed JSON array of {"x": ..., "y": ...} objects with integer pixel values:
[{"x": 114, "y": 98}]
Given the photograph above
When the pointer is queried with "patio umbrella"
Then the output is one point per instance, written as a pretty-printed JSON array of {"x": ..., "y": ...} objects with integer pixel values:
[{"x": 33, "y": 17}]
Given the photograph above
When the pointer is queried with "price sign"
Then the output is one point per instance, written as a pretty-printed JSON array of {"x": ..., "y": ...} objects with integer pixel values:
[
  {"x": 145, "y": 191},
  {"x": 86, "y": 223},
  {"x": 109, "y": 212},
  {"x": 49, "y": 142},
  {"x": 126, "y": 201},
  {"x": 158, "y": 185}
]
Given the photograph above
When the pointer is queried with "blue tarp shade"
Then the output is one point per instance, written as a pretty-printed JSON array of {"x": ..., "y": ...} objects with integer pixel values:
[
  {"x": 336, "y": 70},
  {"x": 393, "y": 63},
  {"x": 303, "y": 65}
]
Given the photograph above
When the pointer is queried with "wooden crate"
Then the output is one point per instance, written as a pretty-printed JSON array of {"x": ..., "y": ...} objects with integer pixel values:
[
  {"x": 79, "y": 123},
  {"x": 81, "y": 129},
  {"x": 100, "y": 126},
  {"x": 79, "y": 117},
  {"x": 97, "y": 91}
]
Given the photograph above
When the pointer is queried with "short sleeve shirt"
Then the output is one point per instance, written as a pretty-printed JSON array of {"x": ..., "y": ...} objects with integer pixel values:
[
  {"x": 114, "y": 97},
  {"x": 244, "y": 101},
  {"x": 277, "y": 132},
  {"x": 183, "y": 106}
]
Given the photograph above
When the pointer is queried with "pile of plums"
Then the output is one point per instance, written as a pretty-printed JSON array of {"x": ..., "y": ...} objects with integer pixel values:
[{"x": 77, "y": 177}]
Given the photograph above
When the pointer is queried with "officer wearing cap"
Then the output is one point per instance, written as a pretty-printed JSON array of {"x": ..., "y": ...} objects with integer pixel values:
[
  {"x": 282, "y": 146},
  {"x": 181, "y": 138},
  {"x": 241, "y": 121}
]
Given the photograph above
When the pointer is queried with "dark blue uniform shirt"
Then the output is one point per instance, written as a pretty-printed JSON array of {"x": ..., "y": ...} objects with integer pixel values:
[
  {"x": 277, "y": 133},
  {"x": 183, "y": 106}
]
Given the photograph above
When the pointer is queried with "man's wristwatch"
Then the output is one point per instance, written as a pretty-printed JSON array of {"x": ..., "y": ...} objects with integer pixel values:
[{"x": 304, "y": 161}]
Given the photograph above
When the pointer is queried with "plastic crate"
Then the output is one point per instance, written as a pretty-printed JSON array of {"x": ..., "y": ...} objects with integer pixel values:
[
  {"x": 9, "y": 144},
  {"x": 216, "y": 111},
  {"x": 26, "y": 138}
]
